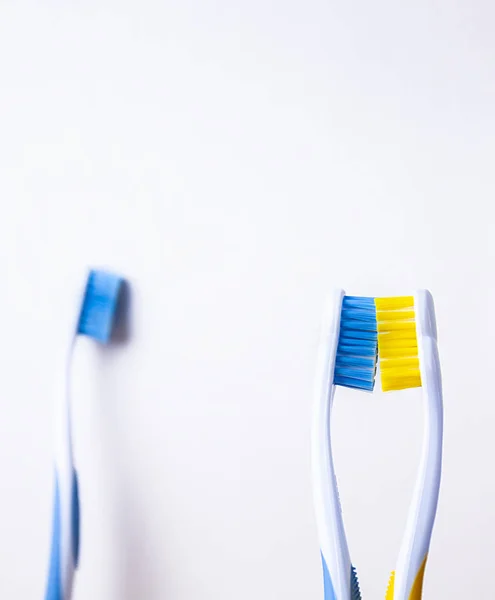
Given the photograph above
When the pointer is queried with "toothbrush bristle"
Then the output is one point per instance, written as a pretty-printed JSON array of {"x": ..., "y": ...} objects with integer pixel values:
[
  {"x": 390, "y": 587},
  {"x": 99, "y": 305},
  {"x": 397, "y": 343},
  {"x": 355, "y": 589},
  {"x": 355, "y": 363}
]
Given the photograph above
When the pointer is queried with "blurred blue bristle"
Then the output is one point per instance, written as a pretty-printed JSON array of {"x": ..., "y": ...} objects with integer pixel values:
[
  {"x": 355, "y": 363},
  {"x": 99, "y": 306}
]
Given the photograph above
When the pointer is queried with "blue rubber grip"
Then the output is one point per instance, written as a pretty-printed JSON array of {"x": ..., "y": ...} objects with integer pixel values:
[
  {"x": 54, "y": 585},
  {"x": 75, "y": 521},
  {"x": 327, "y": 582}
]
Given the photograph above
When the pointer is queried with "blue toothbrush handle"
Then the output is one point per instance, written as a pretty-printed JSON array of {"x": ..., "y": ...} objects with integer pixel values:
[{"x": 61, "y": 567}]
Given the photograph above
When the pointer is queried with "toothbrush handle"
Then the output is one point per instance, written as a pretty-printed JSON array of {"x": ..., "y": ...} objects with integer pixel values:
[
  {"x": 64, "y": 551},
  {"x": 336, "y": 562},
  {"x": 416, "y": 542},
  {"x": 339, "y": 578}
]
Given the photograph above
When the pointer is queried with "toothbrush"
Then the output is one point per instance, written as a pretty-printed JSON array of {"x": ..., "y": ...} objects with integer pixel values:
[
  {"x": 405, "y": 329},
  {"x": 93, "y": 316},
  {"x": 346, "y": 357},
  {"x": 407, "y": 346}
]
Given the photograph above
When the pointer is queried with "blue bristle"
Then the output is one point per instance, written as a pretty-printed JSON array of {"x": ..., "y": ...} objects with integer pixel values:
[
  {"x": 360, "y": 315},
  {"x": 358, "y": 302},
  {"x": 349, "y": 324},
  {"x": 353, "y": 372},
  {"x": 99, "y": 305},
  {"x": 358, "y": 384},
  {"x": 355, "y": 363},
  {"x": 347, "y": 334},
  {"x": 350, "y": 346}
]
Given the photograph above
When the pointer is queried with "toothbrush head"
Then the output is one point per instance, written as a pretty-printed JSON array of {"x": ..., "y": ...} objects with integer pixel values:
[
  {"x": 99, "y": 306},
  {"x": 355, "y": 362},
  {"x": 398, "y": 343}
]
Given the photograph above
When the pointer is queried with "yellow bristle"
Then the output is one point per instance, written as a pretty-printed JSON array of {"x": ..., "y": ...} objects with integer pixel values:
[
  {"x": 394, "y": 315},
  {"x": 397, "y": 343},
  {"x": 402, "y": 326},
  {"x": 395, "y": 303},
  {"x": 405, "y": 363},
  {"x": 392, "y": 352},
  {"x": 400, "y": 381},
  {"x": 408, "y": 336},
  {"x": 390, "y": 587}
]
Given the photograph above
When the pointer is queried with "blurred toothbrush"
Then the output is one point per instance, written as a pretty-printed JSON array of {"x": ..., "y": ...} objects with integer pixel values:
[{"x": 94, "y": 315}]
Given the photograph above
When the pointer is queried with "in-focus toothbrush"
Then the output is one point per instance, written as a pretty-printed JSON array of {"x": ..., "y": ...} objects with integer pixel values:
[
  {"x": 407, "y": 346},
  {"x": 346, "y": 357},
  {"x": 94, "y": 313}
]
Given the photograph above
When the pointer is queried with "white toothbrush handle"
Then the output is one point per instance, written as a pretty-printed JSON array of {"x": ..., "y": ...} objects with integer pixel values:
[
  {"x": 331, "y": 533},
  {"x": 416, "y": 542},
  {"x": 65, "y": 523}
]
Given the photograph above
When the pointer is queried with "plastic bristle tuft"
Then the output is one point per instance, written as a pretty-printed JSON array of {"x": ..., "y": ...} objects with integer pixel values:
[
  {"x": 99, "y": 305},
  {"x": 391, "y": 587},
  {"x": 358, "y": 302},
  {"x": 355, "y": 589},
  {"x": 397, "y": 343},
  {"x": 395, "y": 303},
  {"x": 356, "y": 384},
  {"x": 355, "y": 363}
]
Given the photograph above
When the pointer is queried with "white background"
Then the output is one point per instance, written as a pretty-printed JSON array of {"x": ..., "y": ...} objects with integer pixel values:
[{"x": 235, "y": 160}]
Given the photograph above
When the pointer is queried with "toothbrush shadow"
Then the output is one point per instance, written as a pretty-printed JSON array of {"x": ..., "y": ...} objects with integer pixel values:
[
  {"x": 121, "y": 333},
  {"x": 135, "y": 576}
]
